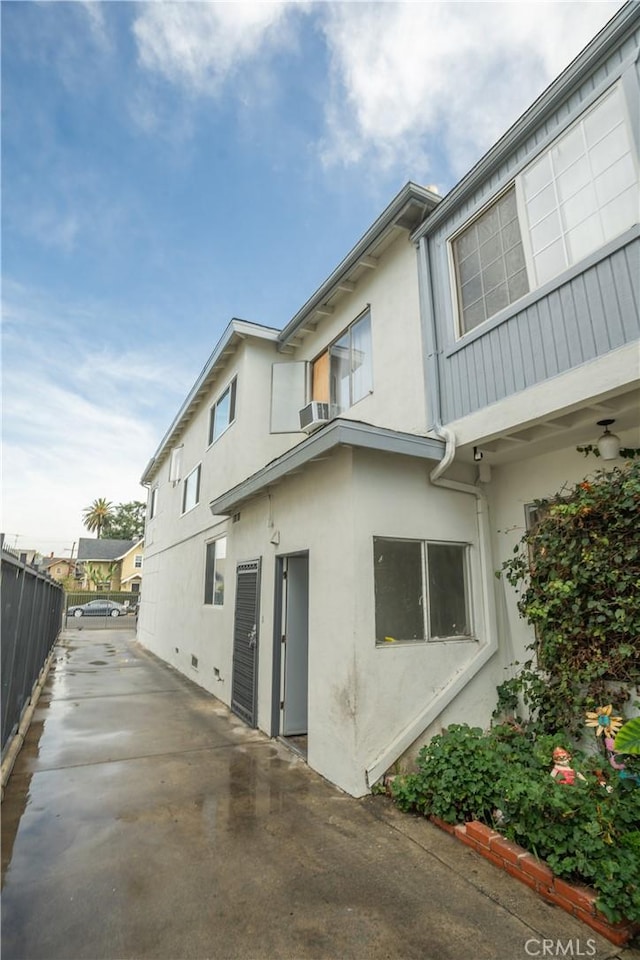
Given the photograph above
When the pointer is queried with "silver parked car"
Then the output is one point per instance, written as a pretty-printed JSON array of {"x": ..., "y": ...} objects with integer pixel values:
[{"x": 98, "y": 608}]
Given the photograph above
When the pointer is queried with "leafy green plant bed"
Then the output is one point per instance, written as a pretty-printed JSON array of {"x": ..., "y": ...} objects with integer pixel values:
[{"x": 587, "y": 831}]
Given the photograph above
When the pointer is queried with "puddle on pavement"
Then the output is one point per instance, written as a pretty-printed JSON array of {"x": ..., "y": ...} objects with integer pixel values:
[{"x": 193, "y": 798}]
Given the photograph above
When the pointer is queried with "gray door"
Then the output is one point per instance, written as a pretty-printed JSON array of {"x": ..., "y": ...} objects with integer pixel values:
[
  {"x": 295, "y": 672},
  {"x": 245, "y": 642}
]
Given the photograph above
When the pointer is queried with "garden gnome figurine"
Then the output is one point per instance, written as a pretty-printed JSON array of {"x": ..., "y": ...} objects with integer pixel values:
[{"x": 562, "y": 771}]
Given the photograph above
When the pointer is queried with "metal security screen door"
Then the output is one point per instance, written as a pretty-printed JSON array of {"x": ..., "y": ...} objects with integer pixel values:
[{"x": 245, "y": 642}]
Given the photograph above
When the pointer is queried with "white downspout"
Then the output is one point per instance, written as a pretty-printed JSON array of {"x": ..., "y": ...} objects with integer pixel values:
[{"x": 490, "y": 646}]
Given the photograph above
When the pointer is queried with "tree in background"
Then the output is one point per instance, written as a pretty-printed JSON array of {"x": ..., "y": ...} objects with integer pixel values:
[
  {"x": 99, "y": 577},
  {"x": 97, "y": 515},
  {"x": 126, "y": 522}
]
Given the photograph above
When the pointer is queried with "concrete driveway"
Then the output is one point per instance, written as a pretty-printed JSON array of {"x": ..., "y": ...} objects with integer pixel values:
[{"x": 143, "y": 820}]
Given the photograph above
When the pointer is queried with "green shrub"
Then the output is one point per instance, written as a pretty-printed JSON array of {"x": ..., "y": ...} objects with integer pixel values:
[{"x": 584, "y": 831}]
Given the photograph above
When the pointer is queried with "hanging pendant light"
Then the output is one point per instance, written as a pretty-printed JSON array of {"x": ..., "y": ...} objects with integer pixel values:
[{"x": 609, "y": 443}]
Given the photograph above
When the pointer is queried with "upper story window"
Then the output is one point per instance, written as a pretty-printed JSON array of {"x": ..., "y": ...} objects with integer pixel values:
[
  {"x": 344, "y": 373},
  {"x": 153, "y": 503},
  {"x": 191, "y": 492},
  {"x": 490, "y": 266},
  {"x": 137, "y": 561},
  {"x": 223, "y": 412},
  {"x": 576, "y": 196}
]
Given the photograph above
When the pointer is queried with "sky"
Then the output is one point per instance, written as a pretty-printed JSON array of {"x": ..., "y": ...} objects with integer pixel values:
[{"x": 169, "y": 166}]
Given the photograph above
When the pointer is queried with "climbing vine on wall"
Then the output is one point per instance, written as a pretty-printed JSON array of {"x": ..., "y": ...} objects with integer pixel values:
[{"x": 577, "y": 573}]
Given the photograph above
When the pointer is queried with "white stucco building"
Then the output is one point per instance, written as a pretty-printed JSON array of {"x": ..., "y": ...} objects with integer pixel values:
[{"x": 335, "y": 584}]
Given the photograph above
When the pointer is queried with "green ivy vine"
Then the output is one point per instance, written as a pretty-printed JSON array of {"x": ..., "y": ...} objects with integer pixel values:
[{"x": 577, "y": 574}]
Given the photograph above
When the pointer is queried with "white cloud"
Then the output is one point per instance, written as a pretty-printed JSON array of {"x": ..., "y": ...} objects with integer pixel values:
[
  {"x": 80, "y": 421},
  {"x": 414, "y": 80},
  {"x": 97, "y": 21},
  {"x": 200, "y": 45},
  {"x": 414, "y": 90}
]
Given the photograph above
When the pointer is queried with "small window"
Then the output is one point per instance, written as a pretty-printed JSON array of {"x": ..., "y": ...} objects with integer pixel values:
[
  {"x": 223, "y": 412},
  {"x": 191, "y": 492},
  {"x": 344, "y": 373},
  {"x": 153, "y": 503},
  {"x": 421, "y": 590},
  {"x": 137, "y": 561},
  {"x": 215, "y": 562}
]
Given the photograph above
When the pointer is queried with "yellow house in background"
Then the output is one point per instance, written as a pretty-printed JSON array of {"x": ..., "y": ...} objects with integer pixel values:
[
  {"x": 131, "y": 567},
  {"x": 59, "y": 568},
  {"x": 110, "y": 564}
]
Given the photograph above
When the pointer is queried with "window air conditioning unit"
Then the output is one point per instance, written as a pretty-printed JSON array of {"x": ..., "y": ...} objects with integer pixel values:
[{"x": 314, "y": 415}]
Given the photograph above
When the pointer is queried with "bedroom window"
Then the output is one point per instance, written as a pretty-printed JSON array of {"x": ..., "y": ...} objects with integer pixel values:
[
  {"x": 191, "y": 492},
  {"x": 223, "y": 412},
  {"x": 343, "y": 374}
]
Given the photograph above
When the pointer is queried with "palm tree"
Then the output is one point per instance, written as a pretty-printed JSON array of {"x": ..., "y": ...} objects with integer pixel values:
[{"x": 96, "y": 515}]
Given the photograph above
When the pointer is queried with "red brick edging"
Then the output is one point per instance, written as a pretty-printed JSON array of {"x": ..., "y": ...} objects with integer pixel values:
[{"x": 577, "y": 900}]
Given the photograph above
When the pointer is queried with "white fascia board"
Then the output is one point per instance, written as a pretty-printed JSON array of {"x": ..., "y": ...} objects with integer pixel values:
[
  {"x": 410, "y": 192},
  {"x": 348, "y": 433},
  {"x": 236, "y": 329},
  {"x": 624, "y": 21}
]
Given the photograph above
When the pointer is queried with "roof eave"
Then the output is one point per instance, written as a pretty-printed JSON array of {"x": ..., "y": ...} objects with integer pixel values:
[
  {"x": 337, "y": 433},
  {"x": 410, "y": 193},
  {"x": 235, "y": 330},
  {"x": 133, "y": 546}
]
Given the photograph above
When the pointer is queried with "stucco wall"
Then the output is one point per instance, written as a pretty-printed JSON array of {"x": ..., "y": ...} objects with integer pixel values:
[{"x": 391, "y": 290}]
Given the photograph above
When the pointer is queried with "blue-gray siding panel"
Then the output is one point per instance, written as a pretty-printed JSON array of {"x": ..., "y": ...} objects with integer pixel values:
[{"x": 589, "y": 315}]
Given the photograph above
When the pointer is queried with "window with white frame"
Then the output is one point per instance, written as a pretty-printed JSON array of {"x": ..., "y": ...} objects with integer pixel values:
[
  {"x": 137, "y": 561},
  {"x": 580, "y": 193},
  {"x": 421, "y": 590},
  {"x": 215, "y": 563},
  {"x": 223, "y": 412},
  {"x": 343, "y": 374},
  {"x": 191, "y": 492},
  {"x": 153, "y": 503}
]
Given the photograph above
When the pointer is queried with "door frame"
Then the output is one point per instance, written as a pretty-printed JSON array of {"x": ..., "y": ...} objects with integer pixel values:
[{"x": 278, "y": 611}]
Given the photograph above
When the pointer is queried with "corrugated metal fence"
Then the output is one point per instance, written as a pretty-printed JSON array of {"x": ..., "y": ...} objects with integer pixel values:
[{"x": 32, "y": 608}]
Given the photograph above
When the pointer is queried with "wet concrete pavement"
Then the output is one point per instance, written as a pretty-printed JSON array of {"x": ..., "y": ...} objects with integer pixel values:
[{"x": 143, "y": 820}]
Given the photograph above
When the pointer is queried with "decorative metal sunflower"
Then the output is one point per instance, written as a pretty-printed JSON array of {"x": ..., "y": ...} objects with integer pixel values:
[{"x": 603, "y": 722}]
